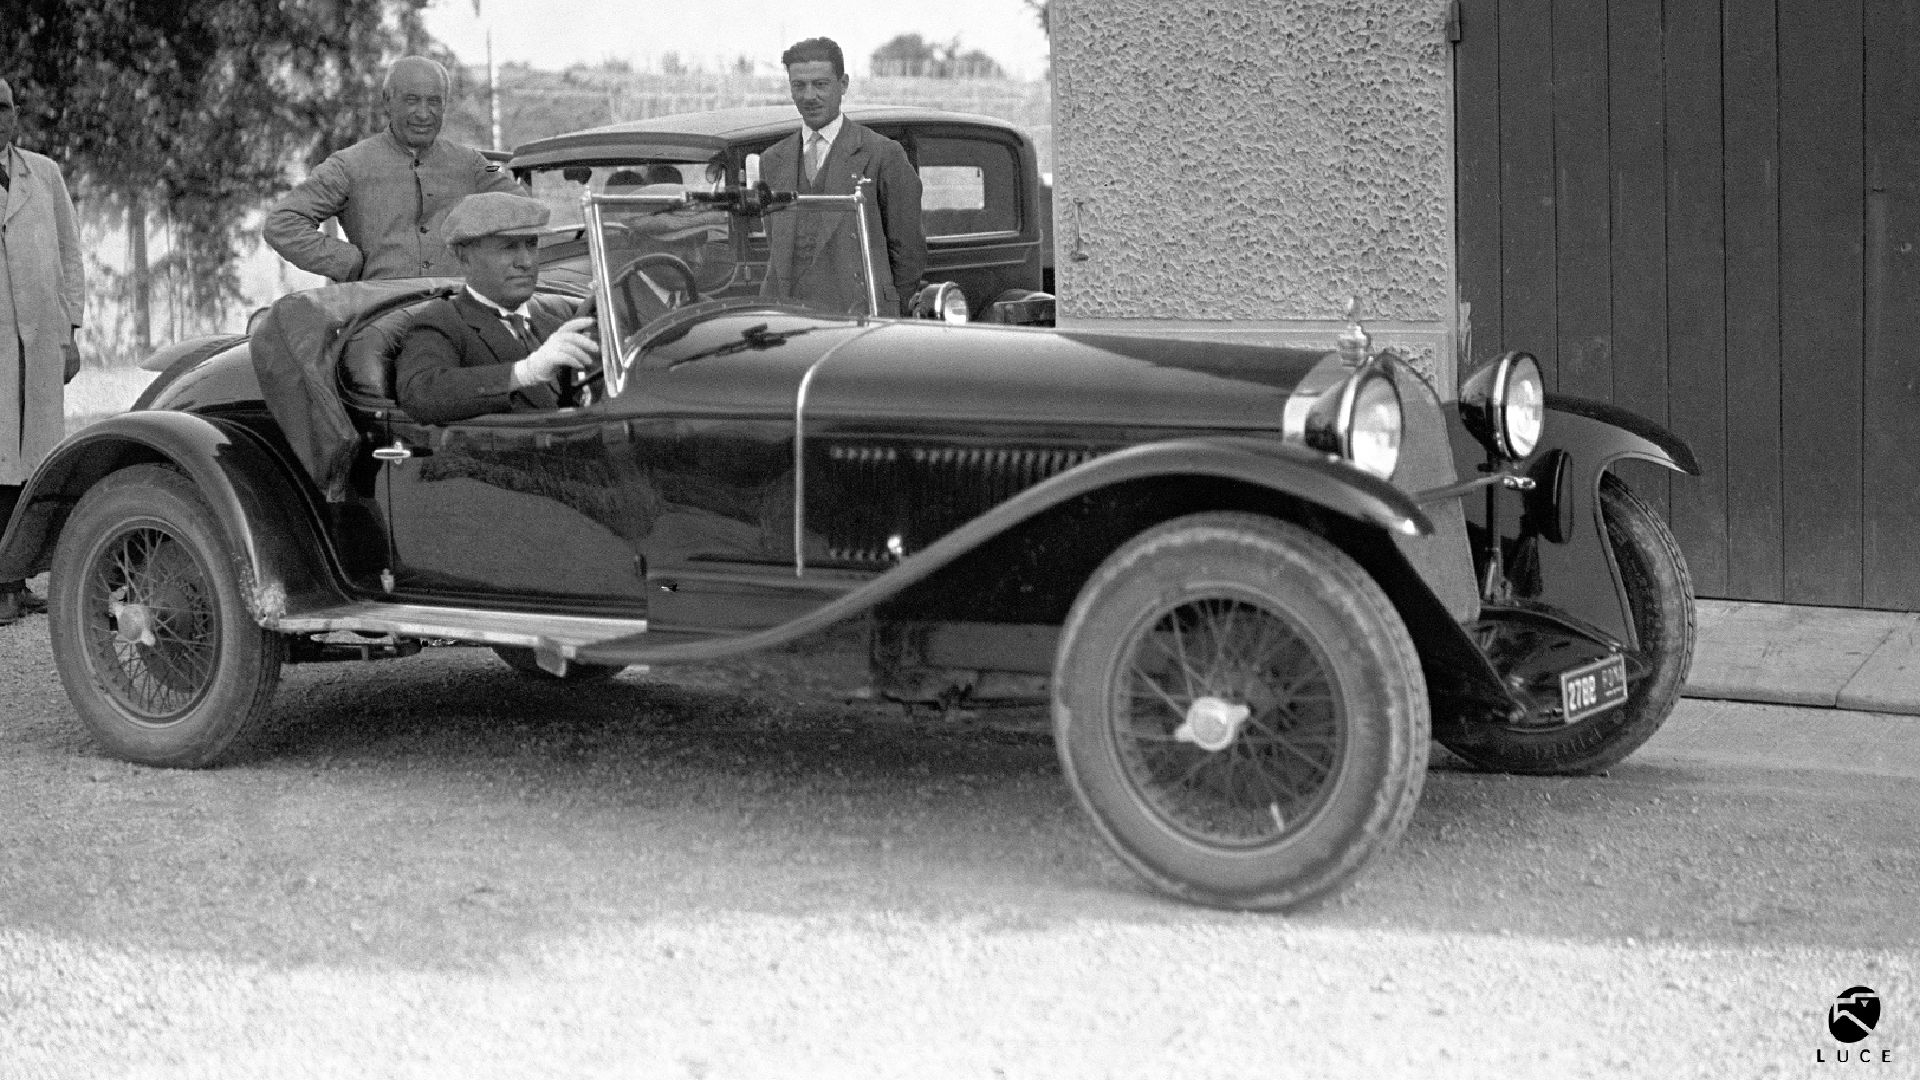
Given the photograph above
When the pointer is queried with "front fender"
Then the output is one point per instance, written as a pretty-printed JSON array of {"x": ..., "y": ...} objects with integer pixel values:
[
  {"x": 1284, "y": 469},
  {"x": 271, "y": 525},
  {"x": 1556, "y": 541},
  {"x": 1607, "y": 433}
]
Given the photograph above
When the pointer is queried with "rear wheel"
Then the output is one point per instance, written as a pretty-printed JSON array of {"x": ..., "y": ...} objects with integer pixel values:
[
  {"x": 1241, "y": 710},
  {"x": 150, "y": 629},
  {"x": 1660, "y": 596}
]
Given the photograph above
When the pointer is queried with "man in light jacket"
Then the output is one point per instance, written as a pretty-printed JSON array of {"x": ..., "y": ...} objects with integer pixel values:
[
  {"x": 389, "y": 191},
  {"x": 41, "y": 295}
]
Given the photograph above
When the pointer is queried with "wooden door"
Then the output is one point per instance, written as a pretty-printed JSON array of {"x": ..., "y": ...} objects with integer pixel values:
[{"x": 1709, "y": 211}]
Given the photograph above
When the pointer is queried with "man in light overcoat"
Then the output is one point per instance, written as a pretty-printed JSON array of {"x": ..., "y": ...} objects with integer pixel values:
[{"x": 41, "y": 295}]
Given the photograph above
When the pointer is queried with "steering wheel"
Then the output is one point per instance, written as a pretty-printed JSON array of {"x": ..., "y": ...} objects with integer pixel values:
[
  {"x": 587, "y": 385},
  {"x": 640, "y": 296}
]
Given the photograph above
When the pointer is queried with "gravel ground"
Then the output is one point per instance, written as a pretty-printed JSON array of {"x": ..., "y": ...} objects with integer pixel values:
[{"x": 436, "y": 868}]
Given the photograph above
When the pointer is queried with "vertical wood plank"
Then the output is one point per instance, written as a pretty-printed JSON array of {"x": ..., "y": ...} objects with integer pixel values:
[
  {"x": 1527, "y": 253},
  {"x": 1821, "y": 319},
  {"x": 1580, "y": 167},
  {"x": 1751, "y": 96},
  {"x": 1476, "y": 111},
  {"x": 1696, "y": 311},
  {"x": 1638, "y": 238},
  {"x": 1891, "y": 448}
]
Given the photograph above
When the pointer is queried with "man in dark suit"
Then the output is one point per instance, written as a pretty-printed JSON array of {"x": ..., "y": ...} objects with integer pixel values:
[
  {"x": 816, "y": 258},
  {"x": 494, "y": 346}
]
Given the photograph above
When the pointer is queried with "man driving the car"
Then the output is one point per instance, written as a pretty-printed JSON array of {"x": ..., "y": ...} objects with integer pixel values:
[{"x": 493, "y": 346}]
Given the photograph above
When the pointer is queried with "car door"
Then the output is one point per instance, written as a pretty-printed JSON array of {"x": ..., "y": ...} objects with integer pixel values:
[{"x": 517, "y": 507}]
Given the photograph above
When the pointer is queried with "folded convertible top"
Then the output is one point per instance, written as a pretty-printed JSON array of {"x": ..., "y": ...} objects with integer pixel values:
[{"x": 296, "y": 350}]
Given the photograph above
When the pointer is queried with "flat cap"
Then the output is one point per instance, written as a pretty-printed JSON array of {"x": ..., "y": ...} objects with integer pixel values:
[{"x": 494, "y": 213}]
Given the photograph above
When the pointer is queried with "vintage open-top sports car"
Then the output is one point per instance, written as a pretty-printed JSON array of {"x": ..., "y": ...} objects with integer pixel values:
[{"x": 1252, "y": 582}]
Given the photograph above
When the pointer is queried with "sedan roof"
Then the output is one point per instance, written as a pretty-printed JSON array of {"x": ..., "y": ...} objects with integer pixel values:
[{"x": 698, "y": 136}]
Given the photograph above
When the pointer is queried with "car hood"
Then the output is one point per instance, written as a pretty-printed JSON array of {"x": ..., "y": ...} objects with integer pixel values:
[{"x": 964, "y": 377}]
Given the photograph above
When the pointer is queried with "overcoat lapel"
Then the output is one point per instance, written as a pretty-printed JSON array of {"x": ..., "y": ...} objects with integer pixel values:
[{"x": 23, "y": 183}]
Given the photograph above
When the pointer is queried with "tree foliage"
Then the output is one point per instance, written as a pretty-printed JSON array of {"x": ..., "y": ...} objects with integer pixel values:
[
  {"x": 910, "y": 54},
  {"x": 1042, "y": 11},
  {"x": 197, "y": 109}
]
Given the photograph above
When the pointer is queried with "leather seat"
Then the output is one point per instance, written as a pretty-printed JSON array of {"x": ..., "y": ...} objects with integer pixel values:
[{"x": 367, "y": 360}]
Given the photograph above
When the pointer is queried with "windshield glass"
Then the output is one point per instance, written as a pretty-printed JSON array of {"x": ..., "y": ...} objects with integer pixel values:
[
  {"x": 656, "y": 252},
  {"x": 560, "y": 186}
]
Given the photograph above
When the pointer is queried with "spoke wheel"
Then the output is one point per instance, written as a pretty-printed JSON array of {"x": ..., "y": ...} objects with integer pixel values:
[
  {"x": 1229, "y": 722},
  {"x": 1241, "y": 711},
  {"x": 154, "y": 644}
]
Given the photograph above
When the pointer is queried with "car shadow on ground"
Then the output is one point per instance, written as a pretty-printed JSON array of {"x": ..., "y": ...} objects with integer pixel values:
[{"x": 443, "y": 811}]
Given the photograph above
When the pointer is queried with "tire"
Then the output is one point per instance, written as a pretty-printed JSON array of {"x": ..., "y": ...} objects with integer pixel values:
[
  {"x": 150, "y": 627},
  {"x": 520, "y": 658},
  {"x": 1267, "y": 809},
  {"x": 1660, "y": 597}
]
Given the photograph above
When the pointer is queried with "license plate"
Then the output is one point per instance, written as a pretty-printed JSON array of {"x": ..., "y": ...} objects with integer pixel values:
[{"x": 1593, "y": 688}]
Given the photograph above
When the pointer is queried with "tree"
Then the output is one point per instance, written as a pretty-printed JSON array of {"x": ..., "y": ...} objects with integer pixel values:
[
  {"x": 906, "y": 54},
  {"x": 1042, "y": 11},
  {"x": 910, "y": 54},
  {"x": 196, "y": 109}
]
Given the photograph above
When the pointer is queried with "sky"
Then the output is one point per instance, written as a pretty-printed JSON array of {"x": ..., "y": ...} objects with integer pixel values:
[{"x": 555, "y": 34}]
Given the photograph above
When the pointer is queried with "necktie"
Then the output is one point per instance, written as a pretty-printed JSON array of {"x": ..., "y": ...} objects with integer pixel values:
[
  {"x": 816, "y": 155},
  {"x": 522, "y": 330}
]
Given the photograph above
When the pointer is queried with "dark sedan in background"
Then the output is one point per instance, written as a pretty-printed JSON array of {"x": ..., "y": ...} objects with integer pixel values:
[{"x": 987, "y": 214}]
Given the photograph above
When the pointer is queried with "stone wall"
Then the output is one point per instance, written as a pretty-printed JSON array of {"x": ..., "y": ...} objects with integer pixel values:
[{"x": 1246, "y": 166}]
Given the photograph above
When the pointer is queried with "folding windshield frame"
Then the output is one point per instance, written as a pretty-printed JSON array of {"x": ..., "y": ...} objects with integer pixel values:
[{"x": 740, "y": 202}]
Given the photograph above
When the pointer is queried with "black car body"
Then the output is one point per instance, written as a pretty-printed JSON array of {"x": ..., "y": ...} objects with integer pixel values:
[
  {"x": 1252, "y": 582},
  {"x": 986, "y": 213}
]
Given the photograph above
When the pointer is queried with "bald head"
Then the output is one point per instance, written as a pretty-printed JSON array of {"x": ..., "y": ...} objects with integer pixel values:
[
  {"x": 9, "y": 116},
  {"x": 415, "y": 93}
]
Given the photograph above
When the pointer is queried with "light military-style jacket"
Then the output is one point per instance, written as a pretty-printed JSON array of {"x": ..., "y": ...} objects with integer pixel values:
[{"x": 390, "y": 205}]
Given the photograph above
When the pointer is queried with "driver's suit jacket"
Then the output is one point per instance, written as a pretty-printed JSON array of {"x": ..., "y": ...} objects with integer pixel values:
[{"x": 457, "y": 361}]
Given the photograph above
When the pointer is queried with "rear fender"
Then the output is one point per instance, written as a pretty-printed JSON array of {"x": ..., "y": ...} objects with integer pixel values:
[{"x": 271, "y": 525}]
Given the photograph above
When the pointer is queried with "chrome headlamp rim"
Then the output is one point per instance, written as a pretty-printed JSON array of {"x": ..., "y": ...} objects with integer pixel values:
[
  {"x": 1487, "y": 397},
  {"x": 1333, "y": 420},
  {"x": 942, "y": 301}
]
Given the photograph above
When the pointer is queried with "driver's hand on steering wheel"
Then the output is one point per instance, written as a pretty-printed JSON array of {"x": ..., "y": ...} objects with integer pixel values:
[{"x": 571, "y": 346}]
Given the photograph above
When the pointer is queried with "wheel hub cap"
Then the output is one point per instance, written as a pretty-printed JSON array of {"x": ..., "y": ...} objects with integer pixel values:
[
  {"x": 1211, "y": 723},
  {"x": 133, "y": 623}
]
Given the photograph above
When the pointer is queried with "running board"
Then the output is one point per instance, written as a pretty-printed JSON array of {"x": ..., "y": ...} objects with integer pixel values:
[{"x": 549, "y": 635}]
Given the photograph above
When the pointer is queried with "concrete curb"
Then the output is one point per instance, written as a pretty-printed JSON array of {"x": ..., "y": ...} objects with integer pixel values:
[{"x": 1838, "y": 658}]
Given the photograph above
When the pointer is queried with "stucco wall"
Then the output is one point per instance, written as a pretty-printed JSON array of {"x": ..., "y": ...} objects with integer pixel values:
[{"x": 1251, "y": 164}]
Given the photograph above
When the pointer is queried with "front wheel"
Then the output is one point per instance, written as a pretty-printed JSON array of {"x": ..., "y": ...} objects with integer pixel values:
[
  {"x": 150, "y": 629},
  {"x": 1241, "y": 710},
  {"x": 1660, "y": 596}
]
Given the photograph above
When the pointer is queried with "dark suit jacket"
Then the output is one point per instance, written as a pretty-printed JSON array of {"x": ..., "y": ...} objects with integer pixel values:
[
  {"x": 457, "y": 362},
  {"x": 834, "y": 280}
]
